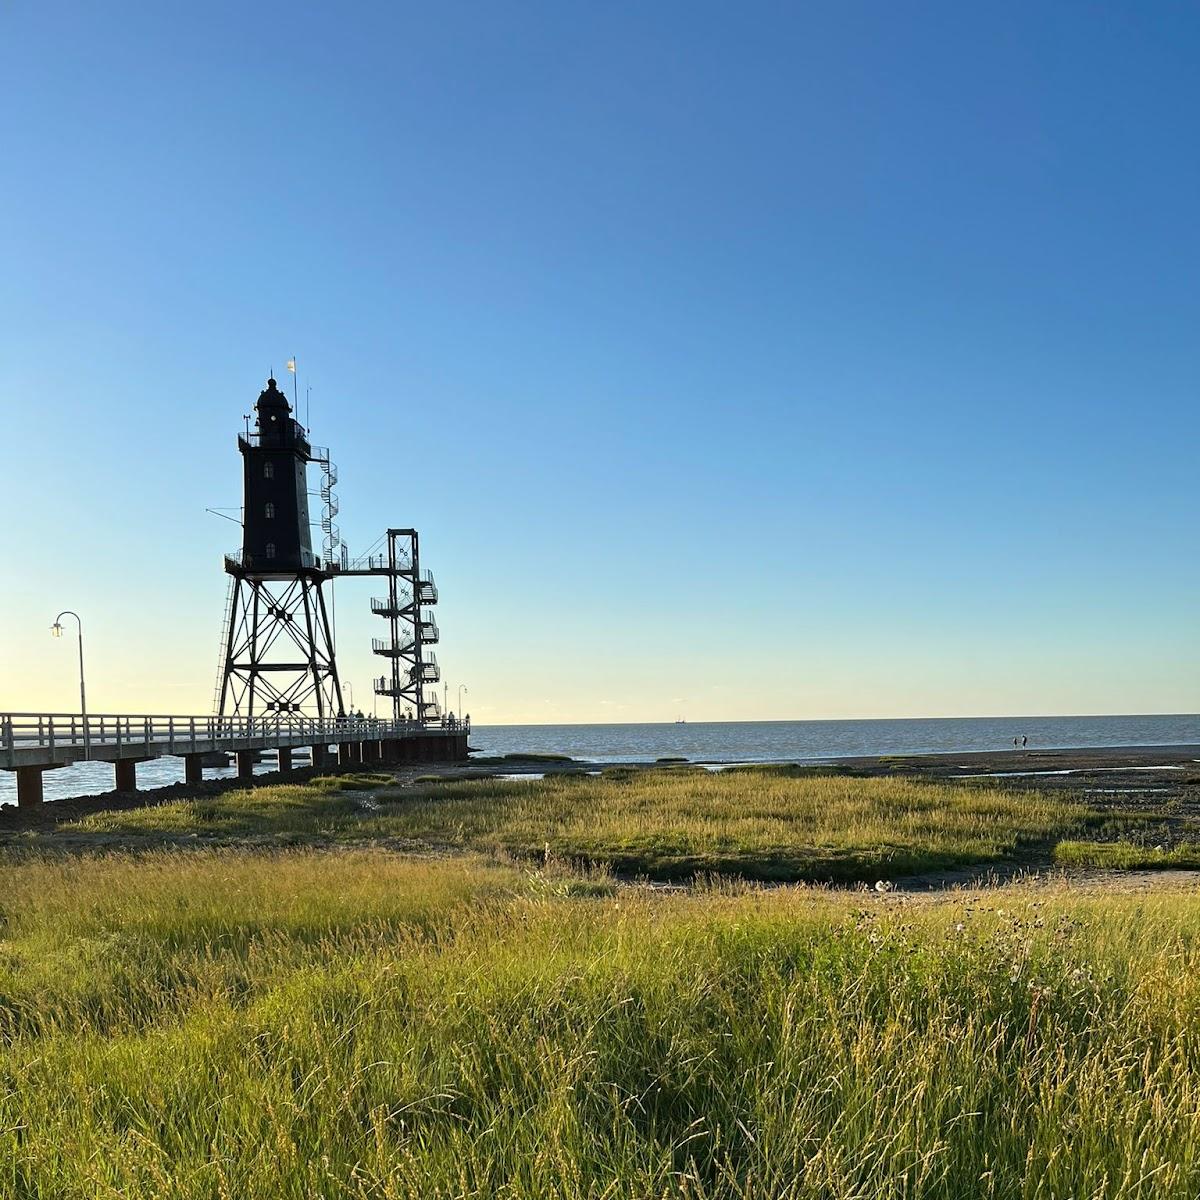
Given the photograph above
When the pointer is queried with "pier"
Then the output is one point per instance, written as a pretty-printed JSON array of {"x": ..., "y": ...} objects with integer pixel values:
[
  {"x": 31, "y": 743},
  {"x": 278, "y": 686}
]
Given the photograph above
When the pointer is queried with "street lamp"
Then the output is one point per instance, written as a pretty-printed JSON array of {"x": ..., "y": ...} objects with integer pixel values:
[
  {"x": 462, "y": 687},
  {"x": 56, "y": 631}
]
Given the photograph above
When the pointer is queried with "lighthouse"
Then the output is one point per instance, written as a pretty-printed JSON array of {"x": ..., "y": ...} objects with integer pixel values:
[
  {"x": 278, "y": 644},
  {"x": 276, "y": 532}
]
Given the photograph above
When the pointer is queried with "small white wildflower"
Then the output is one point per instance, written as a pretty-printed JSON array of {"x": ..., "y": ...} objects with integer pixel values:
[{"x": 882, "y": 885}]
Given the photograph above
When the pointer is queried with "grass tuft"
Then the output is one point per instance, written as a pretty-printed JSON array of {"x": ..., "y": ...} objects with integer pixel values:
[{"x": 1127, "y": 856}]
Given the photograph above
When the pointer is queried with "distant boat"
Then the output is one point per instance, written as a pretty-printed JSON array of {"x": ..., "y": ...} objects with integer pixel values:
[{"x": 680, "y": 721}]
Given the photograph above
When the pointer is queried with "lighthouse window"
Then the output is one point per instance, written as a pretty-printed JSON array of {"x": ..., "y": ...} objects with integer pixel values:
[
  {"x": 270, "y": 549},
  {"x": 268, "y": 470},
  {"x": 269, "y": 511}
]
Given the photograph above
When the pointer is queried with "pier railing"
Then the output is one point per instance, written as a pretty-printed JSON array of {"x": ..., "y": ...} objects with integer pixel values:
[{"x": 120, "y": 735}]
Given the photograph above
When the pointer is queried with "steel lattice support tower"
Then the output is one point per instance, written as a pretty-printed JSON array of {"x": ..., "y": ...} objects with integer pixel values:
[
  {"x": 279, "y": 655},
  {"x": 278, "y": 645}
]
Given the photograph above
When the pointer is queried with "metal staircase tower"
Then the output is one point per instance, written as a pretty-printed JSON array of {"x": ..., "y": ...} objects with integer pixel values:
[{"x": 410, "y": 630}]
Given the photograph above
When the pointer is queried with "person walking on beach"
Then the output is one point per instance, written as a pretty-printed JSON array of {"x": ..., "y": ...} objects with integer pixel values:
[
  {"x": 1024, "y": 741},
  {"x": 1016, "y": 743}
]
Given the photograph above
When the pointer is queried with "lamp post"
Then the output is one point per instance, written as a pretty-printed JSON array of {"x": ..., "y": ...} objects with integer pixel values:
[
  {"x": 462, "y": 687},
  {"x": 56, "y": 631}
]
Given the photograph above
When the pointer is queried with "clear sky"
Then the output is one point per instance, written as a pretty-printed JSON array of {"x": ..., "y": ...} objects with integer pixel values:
[{"x": 735, "y": 361}]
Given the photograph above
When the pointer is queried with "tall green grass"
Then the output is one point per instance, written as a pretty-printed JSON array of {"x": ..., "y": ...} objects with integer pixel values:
[
  {"x": 782, "y": 825},
  {"x": 1128, "y": 856},
  {"x": 667, "y": 824},
  {"x": 322, "y": 808},
  {"x": 354, "y": 1024}
]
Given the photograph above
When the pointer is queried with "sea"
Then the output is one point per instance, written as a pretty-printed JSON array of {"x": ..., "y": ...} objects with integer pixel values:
[{"x": 724, "y": 742}]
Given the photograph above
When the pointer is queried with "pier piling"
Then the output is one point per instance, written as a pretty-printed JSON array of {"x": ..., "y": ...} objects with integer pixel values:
[
  {"x": 31, "y": 743},
  {"x": 29, "y": 787}
]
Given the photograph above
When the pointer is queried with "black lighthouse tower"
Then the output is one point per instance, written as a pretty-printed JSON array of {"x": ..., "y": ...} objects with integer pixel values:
[{"x": 278, "y": 645}]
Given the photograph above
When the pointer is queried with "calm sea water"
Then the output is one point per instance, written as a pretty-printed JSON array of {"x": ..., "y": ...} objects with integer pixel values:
[
  {"x": 86, "y": 779},
  {"x": 732, "y": 741},
  {"x": 778, "y": 741}
]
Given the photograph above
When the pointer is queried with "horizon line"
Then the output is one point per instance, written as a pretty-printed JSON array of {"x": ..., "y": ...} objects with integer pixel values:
[{"x": 844, "y": 720}]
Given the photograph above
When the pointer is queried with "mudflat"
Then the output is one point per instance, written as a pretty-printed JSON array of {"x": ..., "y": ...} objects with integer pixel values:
[{"x": 1158, "y": 772}]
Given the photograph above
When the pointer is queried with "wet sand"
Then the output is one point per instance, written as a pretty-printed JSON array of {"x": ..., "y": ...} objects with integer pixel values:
[{"x": 1151, "y": 776}]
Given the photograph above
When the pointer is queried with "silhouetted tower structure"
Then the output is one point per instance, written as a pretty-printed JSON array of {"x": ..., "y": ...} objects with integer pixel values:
[
  {"x": 278, "y": 644},
  {"x": 411, "y": 630}
]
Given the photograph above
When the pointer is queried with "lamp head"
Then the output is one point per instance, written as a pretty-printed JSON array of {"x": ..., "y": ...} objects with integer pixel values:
[{"x": 56, "y": 629}]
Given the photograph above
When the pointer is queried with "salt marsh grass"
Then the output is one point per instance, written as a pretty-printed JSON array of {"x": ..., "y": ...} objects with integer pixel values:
[
  {"x": 672, "y": 823},
  {"x": 779, "y": 824},
  {"x": 1127, "y": 856},
  {"x": 351, "y": 1023}
]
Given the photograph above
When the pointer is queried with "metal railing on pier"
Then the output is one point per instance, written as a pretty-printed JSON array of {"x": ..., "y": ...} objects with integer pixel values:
[{"x": 69, "y": 737}]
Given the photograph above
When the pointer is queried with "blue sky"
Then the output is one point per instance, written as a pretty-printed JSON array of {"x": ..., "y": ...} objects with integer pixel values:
[{"x": 735, "y": 362}]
